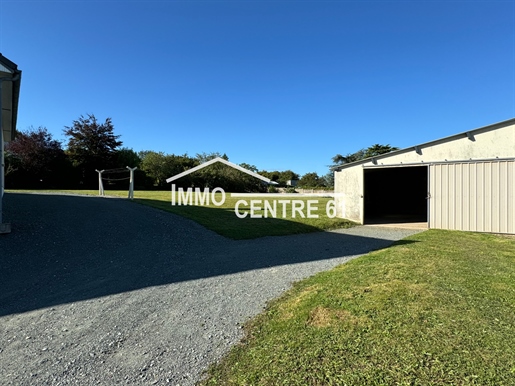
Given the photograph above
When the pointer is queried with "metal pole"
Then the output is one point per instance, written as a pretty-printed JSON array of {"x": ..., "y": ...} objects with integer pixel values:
[
  {"x": 100, "y": 183},
  {"x": 131, "y": 183},
  {"x": 4, "y": 228}
]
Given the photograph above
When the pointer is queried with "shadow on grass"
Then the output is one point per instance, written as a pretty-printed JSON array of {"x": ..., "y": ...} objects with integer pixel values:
[
  {"x": 225, "y": 222},
  {"x": 66, "y": 249}
]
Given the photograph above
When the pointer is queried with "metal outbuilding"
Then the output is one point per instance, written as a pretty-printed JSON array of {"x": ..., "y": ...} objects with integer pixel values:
[{"x": 462, "y": 182}]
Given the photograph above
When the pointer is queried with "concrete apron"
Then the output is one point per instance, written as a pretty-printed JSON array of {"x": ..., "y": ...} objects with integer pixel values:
[{"x": 407, "y": 225}]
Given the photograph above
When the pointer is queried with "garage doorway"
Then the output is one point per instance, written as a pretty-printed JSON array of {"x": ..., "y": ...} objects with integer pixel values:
[{"x": 396, "y": 195}]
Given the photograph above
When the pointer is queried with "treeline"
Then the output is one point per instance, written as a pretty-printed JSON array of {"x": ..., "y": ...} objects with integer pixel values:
[{"x": 37, "y": 161}]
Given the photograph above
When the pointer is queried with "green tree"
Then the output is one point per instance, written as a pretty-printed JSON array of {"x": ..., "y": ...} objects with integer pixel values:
[
  {"x": 249, "y": 167},
  {"x": 127, "y": 157},
  {"x": 159, "y": 166},
  {"x": 329, "y": 179},
  {"x": 204, "y": 157},
  {"x": 371, "y": 151},
  {"x": 225, "y": 176},
  {"x": 273, "y": 176},
  {"x": 91, "y": 145},
  {"x": 310, "y": 180},
  {"x": 215, "y": 175},
  {"x": 286, "y": 176},
  {"x": 154, "y": 164},
  {"x": 339, "y": 159},
  {"x": 280, "y": 177},
  {"x": 377, "y": 149}
]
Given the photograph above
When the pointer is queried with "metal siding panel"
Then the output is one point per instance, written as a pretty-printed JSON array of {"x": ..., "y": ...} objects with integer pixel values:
[
  {"x": 438, "y": 197},
  {"x": 487, "y": 201},
  {"x": 441, "y": 181},
  {"x": 480, "y": 187},
  {"x": 451, "y": 196},
  {"x": 432, "y": 200},
  {"x": 432, "y": 191},
  {"x": 509, "y": 202},
  {"x": 503, "y": 196},
  {"x": 444, "y": 188},
  {"x": 465, "y": 197},
  {"x": 476, "y": 196},
  {"x": 459, "y": 195},
  {"x": 496, "y": 186},
  {"x": 511, "y": 197},
  {"x": 472, "y": 192},
  {"x": 441, "y": 184}
]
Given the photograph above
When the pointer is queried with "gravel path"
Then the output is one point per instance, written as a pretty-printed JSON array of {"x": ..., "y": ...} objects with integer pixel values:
[{"x": 105, "y": 292}]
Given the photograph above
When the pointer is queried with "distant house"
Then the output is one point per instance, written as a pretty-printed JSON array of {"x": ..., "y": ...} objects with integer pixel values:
[{"x": 291, "y": 182}]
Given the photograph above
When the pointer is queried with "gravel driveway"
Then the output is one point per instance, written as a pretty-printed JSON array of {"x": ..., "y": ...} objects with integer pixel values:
[{"x": 105, "y": 292}]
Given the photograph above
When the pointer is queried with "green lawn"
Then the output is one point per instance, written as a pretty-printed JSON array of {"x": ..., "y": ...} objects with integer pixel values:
[
  {"x": 223, "y": 219},
  {"x": 437, "y": 308}
]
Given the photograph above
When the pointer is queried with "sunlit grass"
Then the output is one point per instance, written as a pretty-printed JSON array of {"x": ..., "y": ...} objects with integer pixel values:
[{"x": 438, "y": 308}]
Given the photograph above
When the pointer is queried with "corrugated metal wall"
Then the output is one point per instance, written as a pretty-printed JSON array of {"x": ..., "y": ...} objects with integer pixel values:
[{"x": 475, "y": 196}]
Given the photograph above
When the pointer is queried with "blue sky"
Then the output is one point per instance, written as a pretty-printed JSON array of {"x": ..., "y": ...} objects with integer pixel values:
[{"x": 278, "y": 84}]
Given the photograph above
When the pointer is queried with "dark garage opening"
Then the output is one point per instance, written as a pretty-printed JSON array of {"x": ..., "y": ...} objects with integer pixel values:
[{"x": 396, "y": 195}]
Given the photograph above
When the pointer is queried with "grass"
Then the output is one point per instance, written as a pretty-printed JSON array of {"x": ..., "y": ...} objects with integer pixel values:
[
  {"x": 224, "y": 221},
  {"x": 437, "y": 308}
]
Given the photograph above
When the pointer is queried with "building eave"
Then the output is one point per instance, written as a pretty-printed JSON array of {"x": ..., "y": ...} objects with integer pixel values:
[{"x": 15, "y": 78}]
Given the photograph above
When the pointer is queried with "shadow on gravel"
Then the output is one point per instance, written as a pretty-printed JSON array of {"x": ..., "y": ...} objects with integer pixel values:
[
  {"x": 224, "y": 221},
  {"x": 67, "y": 249}
]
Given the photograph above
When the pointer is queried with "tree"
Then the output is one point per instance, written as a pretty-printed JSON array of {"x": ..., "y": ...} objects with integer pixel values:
[
  {"x": 127, "y": 157},
  {"x": 224, "y": 176},
  {"x": 371, "y": 151},
  {"x": 329, "y": 179},
  {"x": 215, "y": 175},
  {"x": 204, "y": 157},
  {"x": 35, "y": 159},
  {"x": 377, "y": 149},
  {"x": 280, "y": 177},
  {"x": 249, "y": 167},
  {"x": 91, "y": 145},
  {"x": 310, "y": 180},
  {"x": 155, "y": 166},
  {"x": 339, "y": 159},
  {"x": 273, "y": 176},
  {"x": 159, "y": 166},
  {"x": 286, "y": 176}
]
